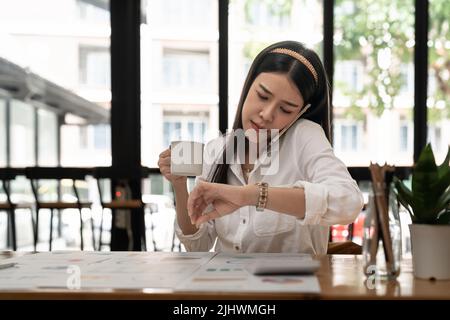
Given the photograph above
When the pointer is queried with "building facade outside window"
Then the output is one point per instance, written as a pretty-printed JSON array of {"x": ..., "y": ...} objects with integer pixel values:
[
  {"x": 190, "y": 13},
  {"x": 3, "y": 158},
  {"x": 374, "y": 77},
  {"x": 268, "y": 13},
  {"x": 348, "y": 75},
  {"x": 405, "y": 137},
  {"x": 172, "y": 131},
  {"x": 95, "y": 67},
  {"x": 438, "y": 101},
  {"x": 48, "y": 130},
  {"x": 67, "y": 56},
  {"x": 347, "y": 136},
  {"x": 186, "y": 70},
  {"x": 436, "y": 139},
  {"x": 102, "y": 137},
  {"x": 184, "y": 128},
  {"x": 179, "y": 74},
  {"x": 22, "y": 134}
]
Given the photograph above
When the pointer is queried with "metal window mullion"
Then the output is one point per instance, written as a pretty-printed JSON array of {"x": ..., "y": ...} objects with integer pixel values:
[
  {"x": 36, "y": 136},
  {"x": 223, "y": 65},
  {"x": 328, "y": 56},
  {"x": 420, "y": 76},
  {"x": 8, "y": 132}
]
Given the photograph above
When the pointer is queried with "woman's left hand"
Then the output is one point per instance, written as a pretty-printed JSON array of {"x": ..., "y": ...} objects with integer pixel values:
[{"x": 224, "y": 199}]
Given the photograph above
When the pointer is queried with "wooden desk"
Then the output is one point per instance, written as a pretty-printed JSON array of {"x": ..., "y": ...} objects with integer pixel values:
[{"x": 340, "y": 277}]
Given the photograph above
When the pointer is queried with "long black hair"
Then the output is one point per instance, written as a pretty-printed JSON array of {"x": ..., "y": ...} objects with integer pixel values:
[{"x": 314, "y": 93}]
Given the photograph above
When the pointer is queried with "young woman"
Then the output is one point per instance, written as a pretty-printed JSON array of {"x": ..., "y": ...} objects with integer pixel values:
[{"x": 244, "y": 207}]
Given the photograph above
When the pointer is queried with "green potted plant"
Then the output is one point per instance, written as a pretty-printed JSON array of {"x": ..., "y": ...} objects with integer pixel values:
[{"x": 428, "y": 203}]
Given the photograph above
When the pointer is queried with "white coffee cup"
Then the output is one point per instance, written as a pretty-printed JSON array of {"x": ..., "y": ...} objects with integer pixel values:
[{"x": 186, "y": 158}]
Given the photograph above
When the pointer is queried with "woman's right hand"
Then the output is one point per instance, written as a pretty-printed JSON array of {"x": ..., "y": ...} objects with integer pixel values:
[{"x": 164, "y": 168}]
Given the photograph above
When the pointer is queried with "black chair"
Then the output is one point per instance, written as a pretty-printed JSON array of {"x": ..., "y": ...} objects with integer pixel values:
[
  {"x": 6, "y": 176},
  {"x": 121, "y": 198},
  {"x": 35, "y": 174}
]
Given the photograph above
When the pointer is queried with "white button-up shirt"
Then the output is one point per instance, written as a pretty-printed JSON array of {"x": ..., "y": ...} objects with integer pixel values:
[{"x": 306, "y": 160}]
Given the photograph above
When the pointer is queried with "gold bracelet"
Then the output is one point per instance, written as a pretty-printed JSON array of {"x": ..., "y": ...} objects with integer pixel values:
[{"x": 262, "y": 198}]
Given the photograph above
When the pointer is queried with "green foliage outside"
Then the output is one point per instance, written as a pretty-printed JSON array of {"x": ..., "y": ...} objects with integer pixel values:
[
  {"x": 367, "y": 30},
  {"x": 439, "y": 58},
  {"x": 376, "y": 33},
  {"x": 380, "y": 35}
]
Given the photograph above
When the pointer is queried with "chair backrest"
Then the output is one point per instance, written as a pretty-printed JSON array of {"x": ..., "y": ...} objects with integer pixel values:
[
  {"x": 120, "y": 173},
  {"x": 56, "y": 173},
  {"x": 34, "y": 174},
  {"x": 6, "y": 176}
]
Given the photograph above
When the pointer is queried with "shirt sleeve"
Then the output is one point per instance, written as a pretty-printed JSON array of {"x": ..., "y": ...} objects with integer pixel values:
[
  {"x": 205, "y": 237},
  {"x": 202, "y": 240},
  {"x": 331, "y": 194}
]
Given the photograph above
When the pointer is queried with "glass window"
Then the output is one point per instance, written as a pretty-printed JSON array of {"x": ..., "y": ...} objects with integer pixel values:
[
  {"x": 89, "y": 12},
  {"x": 348, "y": 76},
  {"x": 196, "y": 130},
  {"x": 186, "y": 70},
  {"x": 268, "y": 13},
  {"x": 407, "y": 74},
  {"x": 94, "y": 140},
  {"x": 438, "y": 101},
  {"x": 84, "y": 139},
  {"x": 102, "y": 137},
  {"x": 95, "y": 67},
  {"x": 56, "y": 52},
  {"x": 406, "y": 137},
  {"x": 178, "y": 13},
  {"x": 253, "y": 25},
  {"x": 172, "y": 132},
  {"x": 68, "y": 50},
  {"x": 179, "y": 88},
  {"x": 22, "y": 134},
  {"x": 179, "y": 74},
  {"x": 347, "y": 136},
  {"x": 373, "y": 47},
  {"x": 48, "y": 142},
  {"x": 348, "y": 133},
  {"x": 3, "y": 159},
  {"x": 435, "y": 138},
  {"x": 184, "y": 128}
]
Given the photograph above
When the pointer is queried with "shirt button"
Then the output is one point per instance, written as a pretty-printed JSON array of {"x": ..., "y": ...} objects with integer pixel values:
[
  {"x": 243, "y": 221},
  {"x": 236, "y": 247}
]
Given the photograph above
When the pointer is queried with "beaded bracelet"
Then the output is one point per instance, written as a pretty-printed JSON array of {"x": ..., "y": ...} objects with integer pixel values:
[{"x": 262, "y": 198}]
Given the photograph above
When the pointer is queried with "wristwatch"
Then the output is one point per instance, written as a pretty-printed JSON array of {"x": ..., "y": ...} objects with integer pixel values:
[{"x": 262, "y": 197}]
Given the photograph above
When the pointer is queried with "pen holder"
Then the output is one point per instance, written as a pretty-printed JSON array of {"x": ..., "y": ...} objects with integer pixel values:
[{"x": 382, "y": 258}]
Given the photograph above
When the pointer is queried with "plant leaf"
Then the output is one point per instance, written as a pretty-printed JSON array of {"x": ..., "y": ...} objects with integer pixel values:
[
  {"x": 444, "y": 174},
  {"x": 424, "y": 180},
  {"x": 445, "y": 166},
  {"x": 429, "y": 197},
  {"x": 444, "y": 218},
  {"x": 443, "y": 201},
  {"x": 404, "y": 196}
]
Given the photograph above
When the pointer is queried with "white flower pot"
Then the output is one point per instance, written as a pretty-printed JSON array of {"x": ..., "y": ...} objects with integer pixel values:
[{"x": 431, "y": 251}]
